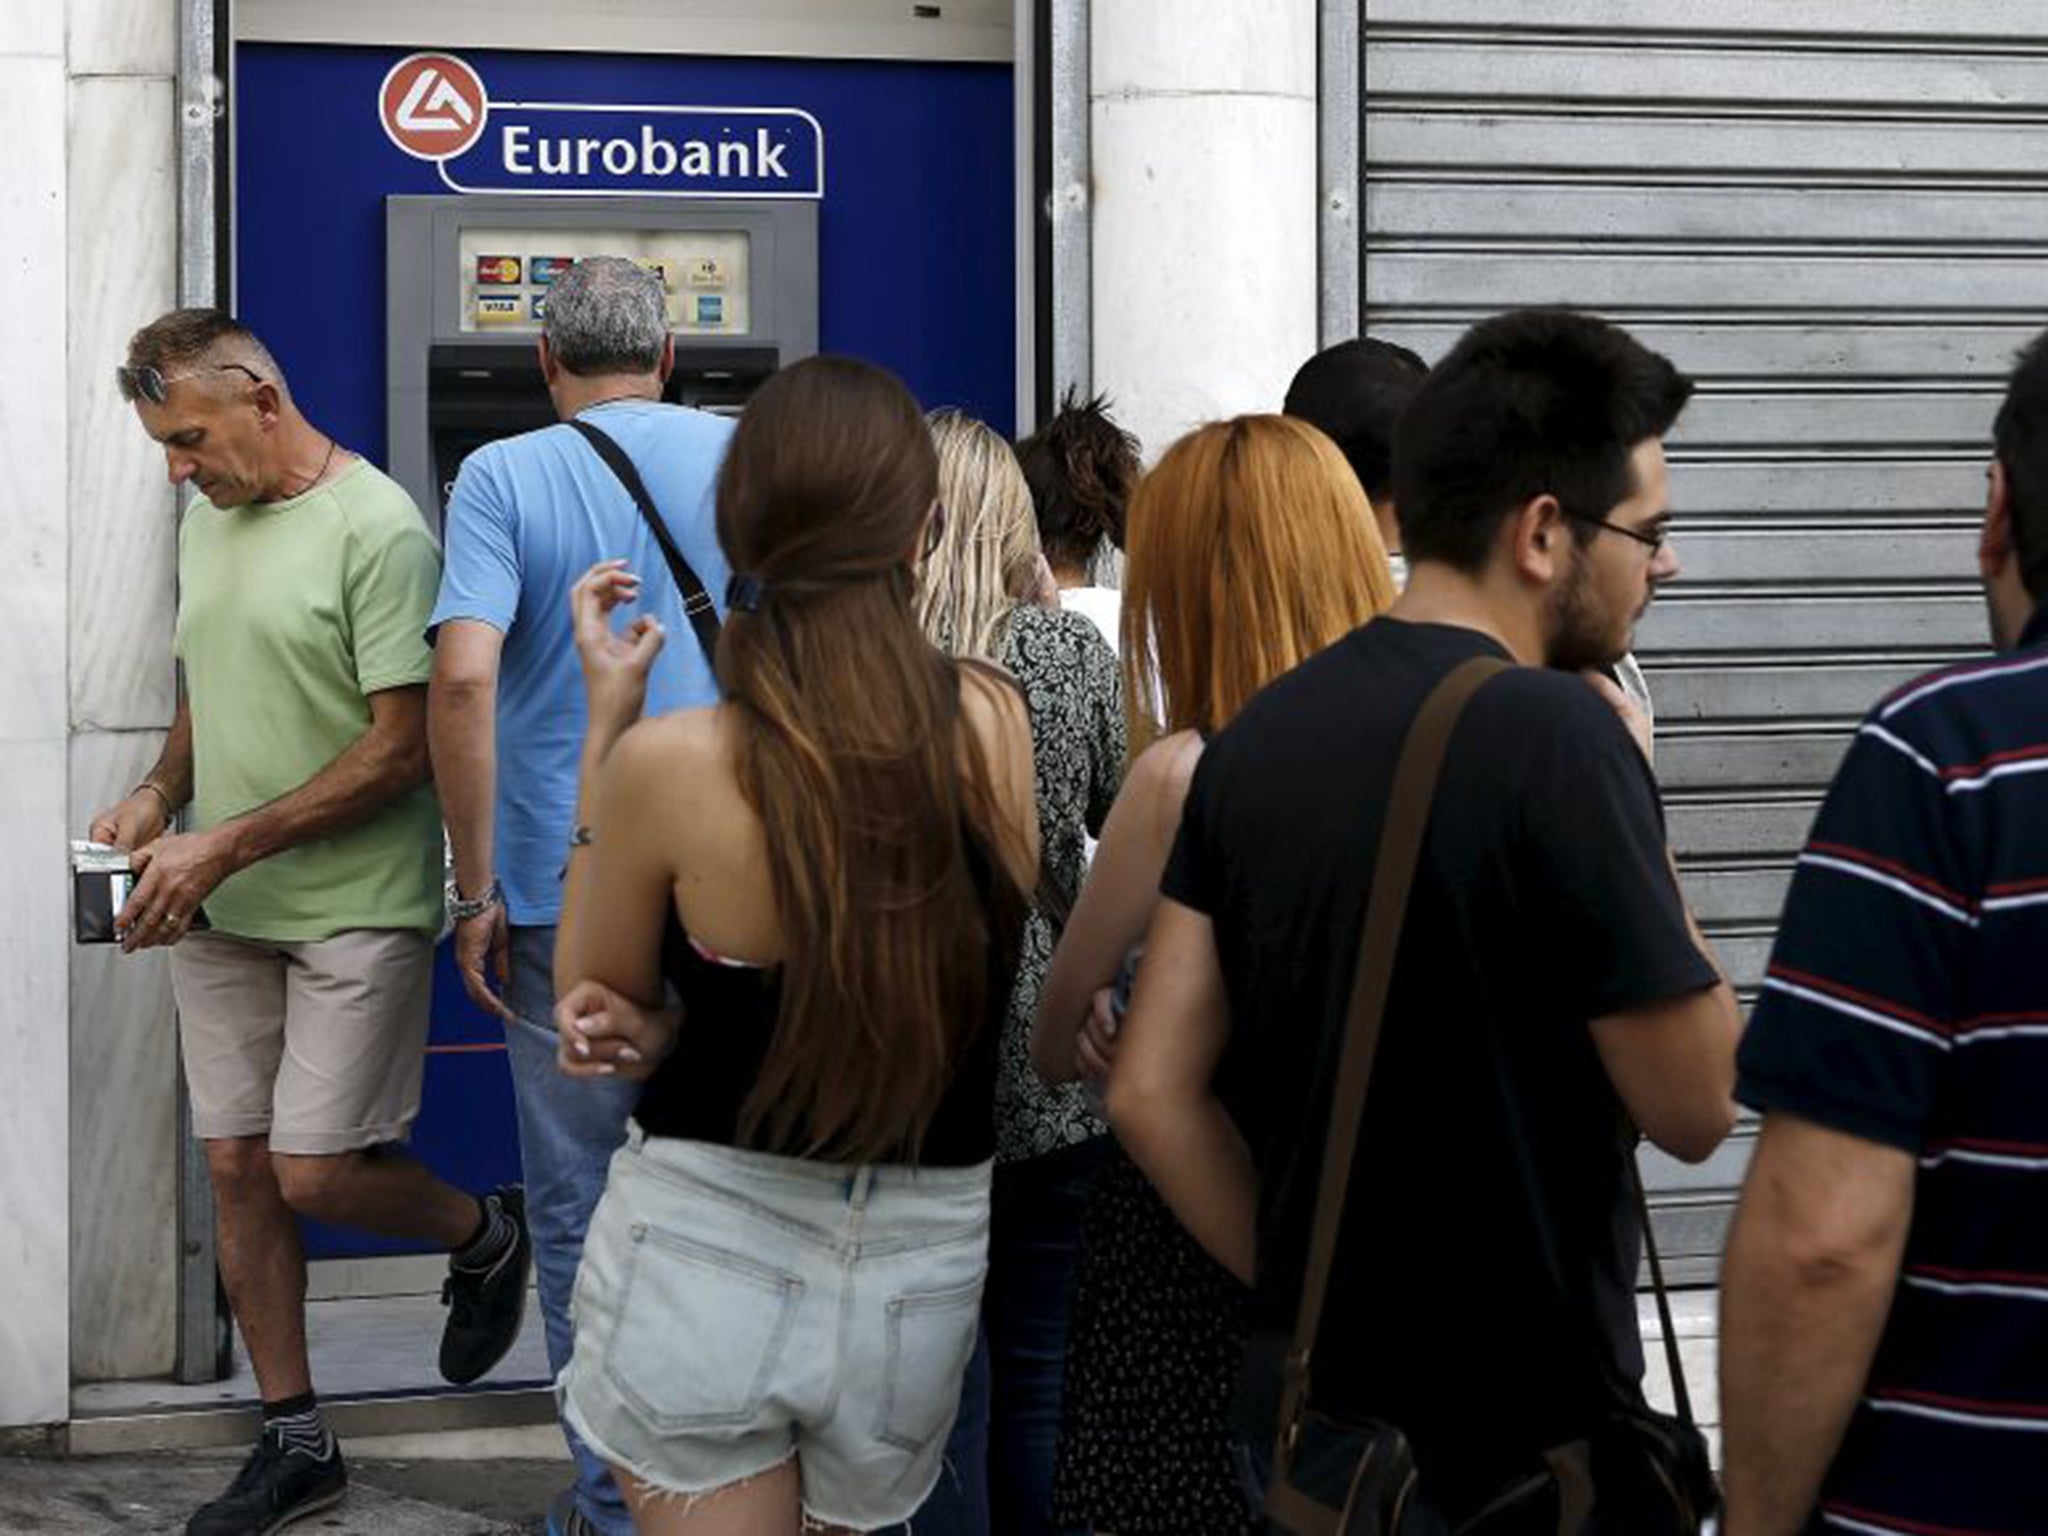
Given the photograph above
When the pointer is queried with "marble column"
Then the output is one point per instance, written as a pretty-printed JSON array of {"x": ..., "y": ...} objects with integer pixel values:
[
  {"x": 1203, "y": 143},
  {"x": 123, "y": 245},
  {"x": 35, "y": 1366}
]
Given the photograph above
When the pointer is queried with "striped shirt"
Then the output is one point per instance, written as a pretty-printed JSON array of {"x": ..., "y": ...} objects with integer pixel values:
[{"x": 1907, "y": 1004}]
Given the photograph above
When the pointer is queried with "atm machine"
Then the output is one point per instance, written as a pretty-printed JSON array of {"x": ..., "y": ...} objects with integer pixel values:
[{"x": 462, "y": 368}]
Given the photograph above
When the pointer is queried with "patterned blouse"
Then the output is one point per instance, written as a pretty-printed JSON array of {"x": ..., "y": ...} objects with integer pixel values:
[{"x": 1074, "y": 693}]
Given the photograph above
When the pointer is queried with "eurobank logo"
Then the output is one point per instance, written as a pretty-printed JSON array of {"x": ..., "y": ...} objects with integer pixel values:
[{"x": 434, "y": 107}]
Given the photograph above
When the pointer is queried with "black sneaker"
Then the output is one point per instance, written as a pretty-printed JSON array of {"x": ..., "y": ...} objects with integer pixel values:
[
  {"x": 275, "y": 1487},
  {"x": 486, "y": 1306}
]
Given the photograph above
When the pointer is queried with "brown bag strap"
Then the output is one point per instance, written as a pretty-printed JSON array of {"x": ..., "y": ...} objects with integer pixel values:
[{"x": 1407, "y": 819}]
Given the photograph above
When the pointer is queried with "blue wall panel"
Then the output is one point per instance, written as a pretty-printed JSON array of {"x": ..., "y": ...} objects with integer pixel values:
[{"x": 917, "y": 255}]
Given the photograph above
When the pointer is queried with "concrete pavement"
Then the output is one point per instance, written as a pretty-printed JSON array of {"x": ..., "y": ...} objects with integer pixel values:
[{"x": 153, "y": 1496}]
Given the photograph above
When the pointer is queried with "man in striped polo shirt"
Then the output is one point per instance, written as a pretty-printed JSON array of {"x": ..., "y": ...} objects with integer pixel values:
[{"x": 1884, "y": 1329}]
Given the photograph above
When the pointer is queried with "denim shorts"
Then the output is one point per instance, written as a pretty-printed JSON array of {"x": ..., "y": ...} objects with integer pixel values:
[{"x": 735, "y": 1309}]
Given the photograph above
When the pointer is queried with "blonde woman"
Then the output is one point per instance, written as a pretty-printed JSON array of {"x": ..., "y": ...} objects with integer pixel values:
[
  {"x": 1251, "y": 548},
  {"x": 983, "y": 592}
]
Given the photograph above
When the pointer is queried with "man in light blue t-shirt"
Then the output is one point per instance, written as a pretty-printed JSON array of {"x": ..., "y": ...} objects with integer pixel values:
[{"x": 505, "y": 715}]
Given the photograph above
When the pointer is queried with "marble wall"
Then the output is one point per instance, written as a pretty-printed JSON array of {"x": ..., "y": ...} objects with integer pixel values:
[
  {"x": 88, "y": 1138},
  {"x": 122, "y": 244},
  {"x": 1202, "y": 138},
  {"x": 34, "y": 729}
]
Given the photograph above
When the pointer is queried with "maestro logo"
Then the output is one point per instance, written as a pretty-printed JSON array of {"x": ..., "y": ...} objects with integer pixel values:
[{"x": 433, "y": 105}]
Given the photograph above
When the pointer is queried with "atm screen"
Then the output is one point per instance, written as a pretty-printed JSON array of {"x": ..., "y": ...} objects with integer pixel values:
[{"x": 506, "y": 274}]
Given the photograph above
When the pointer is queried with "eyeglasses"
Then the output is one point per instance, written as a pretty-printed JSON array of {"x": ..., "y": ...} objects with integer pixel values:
[
  {"x": 1652, "y": 538},
  {"x": 151, "y": 383}
]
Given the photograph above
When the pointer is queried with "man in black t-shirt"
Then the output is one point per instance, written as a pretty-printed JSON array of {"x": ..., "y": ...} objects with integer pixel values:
[{"x": 1551, "y": 991}]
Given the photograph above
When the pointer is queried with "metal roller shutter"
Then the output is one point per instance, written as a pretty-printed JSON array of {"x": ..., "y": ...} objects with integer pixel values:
[{"x": 1827, "y": 212}]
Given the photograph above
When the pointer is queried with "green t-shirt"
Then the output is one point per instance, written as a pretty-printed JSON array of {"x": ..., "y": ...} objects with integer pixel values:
[{"x": 290, "y": 614}]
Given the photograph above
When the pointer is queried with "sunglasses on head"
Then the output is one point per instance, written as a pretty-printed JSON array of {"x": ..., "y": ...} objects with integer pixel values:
[{"x": 154, "y": 385}]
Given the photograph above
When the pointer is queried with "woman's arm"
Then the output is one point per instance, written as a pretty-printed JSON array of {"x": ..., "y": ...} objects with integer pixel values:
[
  {"x": 616, "y": 900},
  {"x": 616, "y": 889},
  {"x": 1116, "y": 902},
  {"x": 1162, "y": 1103},
  {"x": 992, "y": 707}
]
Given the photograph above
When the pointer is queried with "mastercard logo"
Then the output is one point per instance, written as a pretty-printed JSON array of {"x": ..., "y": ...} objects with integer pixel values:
[{"x": 498, "y": 270}]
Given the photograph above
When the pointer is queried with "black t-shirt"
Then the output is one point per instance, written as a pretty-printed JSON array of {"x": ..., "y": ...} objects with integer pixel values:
[{"x": 1483, "y": 1292}]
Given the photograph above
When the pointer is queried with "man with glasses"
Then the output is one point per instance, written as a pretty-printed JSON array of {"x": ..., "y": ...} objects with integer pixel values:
[
  {"x": 303, "y": 903},
  {"x": 1354, "y": 393},
  {"x": 1552, "y": 992}
]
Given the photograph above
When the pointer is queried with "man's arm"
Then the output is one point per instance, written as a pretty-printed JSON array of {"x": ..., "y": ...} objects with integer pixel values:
[
  {"x": 462, "y": 704},
  {"x": 1673, "y": 1061},
  {"x": 386, "y": 761},
  {"x": 1812, "y": 1262},
  {"x": 145, "y": 813},
  {"x": 178, "y": 872},
  {"x": 1161, "y": 1102}
]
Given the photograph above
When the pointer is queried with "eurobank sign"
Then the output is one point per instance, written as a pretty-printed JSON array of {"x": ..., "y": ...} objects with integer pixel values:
[{"x": 435, "y": 107}]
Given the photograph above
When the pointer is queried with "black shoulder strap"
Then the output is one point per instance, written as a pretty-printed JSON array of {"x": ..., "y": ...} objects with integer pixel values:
[
  {"x": 696, "y": 601},
  {"x": 1680, "y": 1398}
]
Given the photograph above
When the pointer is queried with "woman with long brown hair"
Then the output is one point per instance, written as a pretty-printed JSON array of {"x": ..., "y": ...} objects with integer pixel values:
[
  {"x": 1251, "y": 547},
  {"x": 779, "y": 1290}
]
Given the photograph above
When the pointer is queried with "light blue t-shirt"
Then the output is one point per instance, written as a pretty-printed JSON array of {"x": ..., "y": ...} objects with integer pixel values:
[{"x": 528, "y": 516}]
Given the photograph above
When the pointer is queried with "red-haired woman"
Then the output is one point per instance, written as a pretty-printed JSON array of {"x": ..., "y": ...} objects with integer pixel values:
[{"x": 1251, "y": 547}]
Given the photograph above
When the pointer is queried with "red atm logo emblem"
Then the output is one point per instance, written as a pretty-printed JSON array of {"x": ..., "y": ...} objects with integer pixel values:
[{"x": 433, "y": 105}]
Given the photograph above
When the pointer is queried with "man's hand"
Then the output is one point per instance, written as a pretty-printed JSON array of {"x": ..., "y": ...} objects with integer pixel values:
[
  {"x": 605, "y": 1034},
  {"x": 174, "y": 875},
  {"x": 1618, "y": 700},
  {"x": 141, "y": 818},
  {"x": 615, "y": 665},
  {"x": 483, "y": 949}
]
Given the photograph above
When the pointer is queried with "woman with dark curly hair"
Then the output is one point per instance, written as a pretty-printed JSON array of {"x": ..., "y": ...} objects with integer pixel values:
[{"x": 1081, "y": 467}]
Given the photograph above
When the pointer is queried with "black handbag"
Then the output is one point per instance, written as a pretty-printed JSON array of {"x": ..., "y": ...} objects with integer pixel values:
[{"x": 1639, "y": 1472}]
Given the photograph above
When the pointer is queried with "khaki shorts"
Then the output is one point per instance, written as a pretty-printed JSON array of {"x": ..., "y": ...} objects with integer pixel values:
[{"x": 318, "y": 1045}]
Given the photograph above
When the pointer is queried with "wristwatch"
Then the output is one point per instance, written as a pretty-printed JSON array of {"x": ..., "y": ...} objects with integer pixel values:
[{"x": 462, "y": 908}]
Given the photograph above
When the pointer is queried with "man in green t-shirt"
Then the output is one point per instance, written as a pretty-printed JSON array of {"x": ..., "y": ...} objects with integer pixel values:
[{"x": 306, "y": 578}]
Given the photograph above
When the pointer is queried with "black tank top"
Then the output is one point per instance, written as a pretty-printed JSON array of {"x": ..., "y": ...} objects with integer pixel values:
[{"x": 729, "y": 1017}]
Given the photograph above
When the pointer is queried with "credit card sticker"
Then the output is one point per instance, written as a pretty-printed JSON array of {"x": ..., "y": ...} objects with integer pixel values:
[
  {"x": 497, "y": 271},
  {"x": 543, "y": 270}
]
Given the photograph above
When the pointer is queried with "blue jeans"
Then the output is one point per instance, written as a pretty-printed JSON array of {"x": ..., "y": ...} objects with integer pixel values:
[
  {"x": 1009, "y": 1423},
  {"x": 568, "y": 1130},
  {"x": 958, "y": 1505}
]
